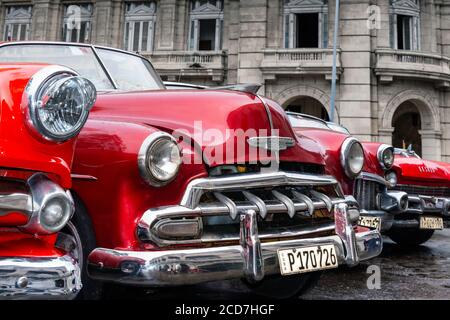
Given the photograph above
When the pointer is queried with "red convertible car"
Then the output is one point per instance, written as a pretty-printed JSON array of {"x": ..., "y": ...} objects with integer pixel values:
[
  {"x": 43, "y": 108},
  {"x": 400, "y": 193},
  {"x": 177, "y": 187}
]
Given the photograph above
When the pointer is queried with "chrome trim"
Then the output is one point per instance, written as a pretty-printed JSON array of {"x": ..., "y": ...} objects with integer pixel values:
[
  {"x": 193, "y": 266},
  {"x": 391, "y": 201},
  {"x": 39, "y": 278},
  {"x": 251, "y": 247},
  {"x": 272, "y": 143},
  {"x": 286, "y": 201},
  {"x": 345, "y": 148},
  {"x": 375, "y": 178},
  {"x": 380, "y": 152},
  {"x": 308, "y": 202},
  {"x": 262, "y": 209},
  {"x": 142, "y": 158},
  {"x": 242, "y": 87},
  {"x": 344, "y": 229},
  {"x": 43, "y": 190},
  {"x": 268, "y": 112},
  {"x": 229, "y": 203},
  {"x": 36, "y": 83},
  {"x": 198, "y": 187},
  {"x": 30, "y": 201},
  {"x": 321, "y": 196},
  {"x": 83, "y": 177}
]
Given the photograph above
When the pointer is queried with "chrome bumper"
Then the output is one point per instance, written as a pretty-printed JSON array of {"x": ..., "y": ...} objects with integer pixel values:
[
  {"x": 251, "y": 259},
  {"x": 39, "y": 278}
]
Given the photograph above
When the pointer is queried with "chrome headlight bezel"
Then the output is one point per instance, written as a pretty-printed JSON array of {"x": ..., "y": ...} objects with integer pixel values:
[
  {"x": 392, "y": 178},
  {"x": 382, "y": 149},
  {"x": 145, "y": 158},
  {"x": 52, "y": 79},
  {"x": 346, "y": 149}
]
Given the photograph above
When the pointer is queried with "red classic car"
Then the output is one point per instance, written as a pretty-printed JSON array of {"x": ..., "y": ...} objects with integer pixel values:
[
  {"x": 43, "y": 108},
  {"x": 366, "y": 181},
  {"x": 427, "y": 184},
  {"x": 406, "y": 196},
  {"x": 164, "y": 195}
]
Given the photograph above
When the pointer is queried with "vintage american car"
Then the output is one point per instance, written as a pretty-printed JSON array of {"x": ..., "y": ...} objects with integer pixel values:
[
  {"x": 427, "y": 184},
  {"x": 178, "y": 187},
  {"x": 405, "y": 196},
  {"x": 43, "y": 108},
  {"x": 367, "y": 182}
]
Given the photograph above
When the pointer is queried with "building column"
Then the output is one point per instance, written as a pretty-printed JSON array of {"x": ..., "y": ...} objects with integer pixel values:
[
  {"x": 252, "y": 40},
  {"x": 102, "y": 22},
  {"x": 166, "y": 22},
  {"x": 385, "y": 135},
  {"x": 45, "y": 23},
  {"x": 431, "y": 144},
  {"x": 355, "y": 110}
]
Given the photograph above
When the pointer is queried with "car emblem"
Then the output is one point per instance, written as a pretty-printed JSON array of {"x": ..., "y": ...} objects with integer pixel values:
[{"x": 272, "y": 143}]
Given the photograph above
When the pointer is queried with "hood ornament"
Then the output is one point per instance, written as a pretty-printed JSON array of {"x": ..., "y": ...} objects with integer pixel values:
[{"x": 272, "y": 143}]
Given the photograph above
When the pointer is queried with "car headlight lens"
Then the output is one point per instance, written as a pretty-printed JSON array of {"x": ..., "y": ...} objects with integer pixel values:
[
  {"x": 59, "y": 102},
  {"x": 391, "y": 177},
  {"x": 386, "y": 156},
  {"x": 352, "y": 157},
  {"x": 159, "y": 159}
]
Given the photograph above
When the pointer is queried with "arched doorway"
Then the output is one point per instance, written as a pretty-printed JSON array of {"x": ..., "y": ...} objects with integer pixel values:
[
  {"x": 307, "y": 105},
  {"x": 407, "y": 124}
]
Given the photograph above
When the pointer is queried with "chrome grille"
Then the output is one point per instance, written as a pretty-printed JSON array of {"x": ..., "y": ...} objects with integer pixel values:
[
  {"x": 365, "y": 192},
  {"x": 287, "y": 205},
  {"x": 423, "y": 190}
]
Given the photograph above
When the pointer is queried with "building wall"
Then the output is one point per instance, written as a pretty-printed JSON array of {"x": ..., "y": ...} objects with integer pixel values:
[{"x": 373, "y": 78}]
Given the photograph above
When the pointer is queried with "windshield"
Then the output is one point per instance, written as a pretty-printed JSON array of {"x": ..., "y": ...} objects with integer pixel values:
[
  {"x": 298, "y": 121},
  {"x": 79, "y": 58},
  {"x": 130, "y": 72}
]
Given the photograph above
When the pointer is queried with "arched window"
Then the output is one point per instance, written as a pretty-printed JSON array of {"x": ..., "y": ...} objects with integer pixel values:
[
  {"x": 140, "y": 20},
  {"x": 17, "y": 23},
  {"x": 77, "y": 22},
  {"x": 305, "y": 23},
  {"x": 404, "y": 24},
  {"x": 206, "y": 25}
]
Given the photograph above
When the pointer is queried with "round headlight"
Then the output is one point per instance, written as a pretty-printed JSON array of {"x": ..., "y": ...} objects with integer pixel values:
[
  {"x": 55, "y": 214},
  {"x": 352, "y": 157},
  {"x": 391, "y": 177},
  {"x": 159, "y": 159},
  {"x": 59, "y": 102},
  {"x": 385, "y": 155}
]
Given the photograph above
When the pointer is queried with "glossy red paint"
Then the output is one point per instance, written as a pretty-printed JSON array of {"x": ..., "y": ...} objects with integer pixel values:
[
  {"x": 416, "y": 171},
  {"x": 22, "y": 155},
  {"x": 15, "y": 138},
  {"x": 119, "y": 122}
]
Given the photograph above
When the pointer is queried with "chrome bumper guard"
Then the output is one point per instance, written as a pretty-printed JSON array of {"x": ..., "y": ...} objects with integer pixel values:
[
  {"x": 56, "y": 278},
  {"x": 252, "y": 258}
]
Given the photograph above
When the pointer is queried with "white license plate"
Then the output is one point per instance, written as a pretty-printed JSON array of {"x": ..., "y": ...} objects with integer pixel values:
[
  {"x": 307, "y": 259},
  {"x": 434, "y": 223},
  {"x": 370, "y": 222}
]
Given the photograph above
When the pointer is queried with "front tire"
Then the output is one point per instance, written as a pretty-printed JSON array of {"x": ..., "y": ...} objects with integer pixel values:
[
  {"x": 81, "y": 230},
  {"x": 410, "y": 237},
  {"x": 284, "y": 287}
]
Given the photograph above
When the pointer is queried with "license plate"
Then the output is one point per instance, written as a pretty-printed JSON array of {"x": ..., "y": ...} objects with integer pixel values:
[
  {"x": 434, "y": 223},
  {"x": 370, "y": 222},
  {"x": 307, "y": 259}
]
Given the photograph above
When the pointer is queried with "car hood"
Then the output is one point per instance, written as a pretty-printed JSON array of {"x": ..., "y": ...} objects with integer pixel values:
[
  {"x": 421, "y": 172},
  {"x": 210, "y": 119}
]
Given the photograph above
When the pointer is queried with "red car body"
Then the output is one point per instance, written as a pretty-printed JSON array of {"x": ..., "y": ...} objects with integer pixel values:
[
  {"x": 225, "y": 216},
  {"x": 34, "y": 263},
  {"x": 370, "y": 188}
]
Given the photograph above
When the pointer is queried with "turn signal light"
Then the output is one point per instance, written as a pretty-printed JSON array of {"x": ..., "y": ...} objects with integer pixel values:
[{"x": 189, "y": 228}]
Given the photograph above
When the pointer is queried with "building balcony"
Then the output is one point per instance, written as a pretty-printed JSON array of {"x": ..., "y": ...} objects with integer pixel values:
[
  {"x": 288, "y": 62},
  {"x": 412, "y": 64},
  {"x": 180, "y": 65}
]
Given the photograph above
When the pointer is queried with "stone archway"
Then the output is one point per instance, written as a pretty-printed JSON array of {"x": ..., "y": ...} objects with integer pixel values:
[
  {"x": 285, "y": 97},
  {"x": 406, "y": 104}
]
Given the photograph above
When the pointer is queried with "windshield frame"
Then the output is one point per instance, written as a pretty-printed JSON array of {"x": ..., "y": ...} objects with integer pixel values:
[{"x": 94, "y": 48}]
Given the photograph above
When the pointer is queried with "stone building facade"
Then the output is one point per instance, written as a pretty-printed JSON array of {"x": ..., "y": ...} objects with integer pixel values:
[{"x": 393, "y": 55}]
